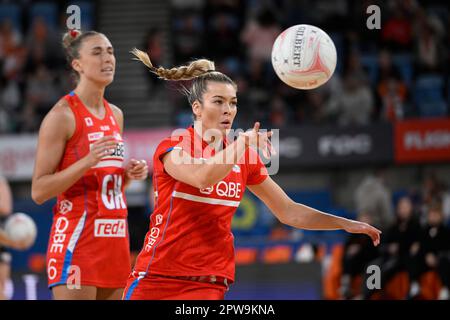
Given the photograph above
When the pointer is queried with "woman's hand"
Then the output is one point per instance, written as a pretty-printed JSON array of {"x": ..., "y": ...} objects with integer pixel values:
[
  {"x": 102, "y": 147},
  {"x": 20, "y": 245},
  {"x": 16, "y": 245},
  {"x": 136, "y": 169},
  {"x": 259, "y": 140},
  {"x": 361, "y": 227}
]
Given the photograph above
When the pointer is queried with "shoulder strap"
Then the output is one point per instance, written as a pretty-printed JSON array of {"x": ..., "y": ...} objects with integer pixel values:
[{"x": 73, "y": 104}]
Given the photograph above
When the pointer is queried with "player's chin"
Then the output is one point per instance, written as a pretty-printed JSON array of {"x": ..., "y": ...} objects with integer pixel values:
[
  {"x": 225, "y": 127},
  {"x": 105, "y": 78}
]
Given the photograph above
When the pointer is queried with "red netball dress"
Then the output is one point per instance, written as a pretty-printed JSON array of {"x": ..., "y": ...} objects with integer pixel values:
[
  {"x": 190, "y": 238},
  {"x": 89, "y": 242}
]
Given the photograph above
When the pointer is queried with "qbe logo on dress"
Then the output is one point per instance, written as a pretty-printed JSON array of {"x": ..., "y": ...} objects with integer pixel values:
[{"x": 110, "y": 228}]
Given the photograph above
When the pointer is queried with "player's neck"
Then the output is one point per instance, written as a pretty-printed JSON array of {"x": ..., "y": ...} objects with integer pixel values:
[
  {"x": 211, "y": 136},
  {"x": 90, "y": 95}
]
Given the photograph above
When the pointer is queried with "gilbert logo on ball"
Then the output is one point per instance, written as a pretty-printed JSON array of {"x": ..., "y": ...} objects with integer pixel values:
[{"x": 304, "y": 56}]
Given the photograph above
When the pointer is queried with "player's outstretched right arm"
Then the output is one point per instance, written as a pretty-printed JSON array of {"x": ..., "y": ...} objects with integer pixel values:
[
  {"x": 299, "y": 216},
  {"x": 56, "y": 129}
]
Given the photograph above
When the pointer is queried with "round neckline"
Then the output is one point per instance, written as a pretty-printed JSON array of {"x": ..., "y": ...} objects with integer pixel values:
[
  {"x": 89, "y": 111},
  {"x": 205, "y": 144}
]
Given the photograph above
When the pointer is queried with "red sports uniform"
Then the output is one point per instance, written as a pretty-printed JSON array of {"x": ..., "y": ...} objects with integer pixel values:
[
  {"x": 188, "y": 252},
  {"x": 89, "y": 239}
]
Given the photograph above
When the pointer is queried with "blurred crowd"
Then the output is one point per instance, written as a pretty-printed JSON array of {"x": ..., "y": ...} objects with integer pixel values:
[
  {"x": 33, "y": 75},
  {"x": 33, "y": 70},
  {"x": 416, "y": 237},
  {"x": 397, "y": 72},
  {"x": 414, "y": 254}
]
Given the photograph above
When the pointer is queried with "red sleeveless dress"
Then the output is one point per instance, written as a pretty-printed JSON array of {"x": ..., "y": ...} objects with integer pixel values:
[{"x": 89, "y": 241}]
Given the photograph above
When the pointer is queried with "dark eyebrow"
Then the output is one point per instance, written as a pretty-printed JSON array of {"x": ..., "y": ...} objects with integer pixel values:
[
  {"x": 223, "y": 97},
  {"x": 100, "y": 48}
]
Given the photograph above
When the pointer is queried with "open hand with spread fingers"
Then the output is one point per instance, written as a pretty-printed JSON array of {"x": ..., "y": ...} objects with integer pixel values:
[{"x": 259, "y": 140}]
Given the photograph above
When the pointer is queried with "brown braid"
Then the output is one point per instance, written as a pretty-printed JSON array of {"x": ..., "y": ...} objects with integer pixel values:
[
  {"x": 201, "y": 72},
  {"x": 194, "y": 69}
]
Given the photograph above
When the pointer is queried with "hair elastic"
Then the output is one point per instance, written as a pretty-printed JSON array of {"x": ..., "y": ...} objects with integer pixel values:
[{"x": 73, "y": 33}]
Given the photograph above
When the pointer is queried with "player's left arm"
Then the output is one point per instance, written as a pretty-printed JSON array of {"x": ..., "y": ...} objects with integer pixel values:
[
  {"x": 6, "y": 209},
  {"x": 4, "y": 240},
  {"x": 134, "y": 169},
  {"x": 5, "y": 197},
  {"x": 303, "y": 217}
]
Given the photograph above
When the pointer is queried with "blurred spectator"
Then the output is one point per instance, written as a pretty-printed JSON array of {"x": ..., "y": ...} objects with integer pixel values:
[
  {"x": 432, "y": 192},
  {"x": 293, "y": 11},
  {"x": 313, "y": 110},
  {"x": 223, "y": 29},
  {"x": 358, "y": 252},
  {"x": 12, "y": 56},
  {"x": 259, "y": 35},
  {"x": 356, "y": 31},
  {"x": 396, "y": 244},
  {"x": 392, "y": 93},
  {"x": 9, "y": 39},
  {"x": 396, "y": 32},
  {"x": 330, "y": 13},
  {"x": 354, "y": 68},
  {"x": 257, "y": 94},
  {"x": 354, "y": 105},
  {"x": 373, "y": 198},
  {"x": 43, "y": 47},
  {"x": 446, "y": 206},
  {"x": 429, "y": 51},
  {"x": 278, "y": 116},
  {"x": 41, "y": 94},
  {"x": 431, "y": 253},
  {"x": 28, "y": 120},
  {"x": 10, "y": 99},
  {"x": 224, "y": 21},
  {"x": 153, "y": 46},
  {"x": 391, "y": 89},
  {"x": 188, "y": 41}
]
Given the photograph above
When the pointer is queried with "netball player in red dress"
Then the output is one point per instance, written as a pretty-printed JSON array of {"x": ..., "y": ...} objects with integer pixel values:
[
  {"x": 80, "y": 159},
  {"x": 188, "y": 252}
]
